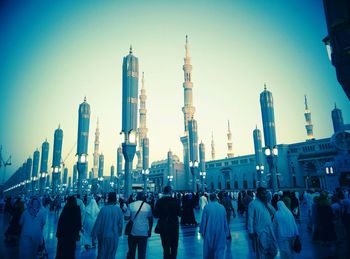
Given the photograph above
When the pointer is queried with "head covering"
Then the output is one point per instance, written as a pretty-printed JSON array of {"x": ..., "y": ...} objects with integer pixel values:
[
  {"x": 285, "y": 221},
  {"x": 92, "y": 208}
]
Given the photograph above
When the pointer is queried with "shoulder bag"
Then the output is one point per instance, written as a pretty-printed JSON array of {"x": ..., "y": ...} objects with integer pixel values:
[{"x": 129, "y": 225}]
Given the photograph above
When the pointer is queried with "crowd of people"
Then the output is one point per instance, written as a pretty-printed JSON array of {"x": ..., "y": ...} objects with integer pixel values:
[{"x": 99, "y": 221}]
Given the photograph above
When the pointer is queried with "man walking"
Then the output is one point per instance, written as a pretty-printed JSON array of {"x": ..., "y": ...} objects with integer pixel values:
[
  {"x": 168, "y": 210},
  {"x": 141, "y": 214},
  {"x": 260, "y": 216},
  {"x": 108, "y": 228},
  {"x": 214, "y": 229}
]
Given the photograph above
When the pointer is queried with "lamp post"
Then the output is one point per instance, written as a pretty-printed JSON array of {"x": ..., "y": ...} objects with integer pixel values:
[
  {"x": 145, "y": 173},
  {"x": 170, "y": 179},
  {"x": 271, "y": 154},
  {"x": 260, "y": 171},
  {"x": 129, "y": 149},
  {"x": 203, "y": 175},
  {"x": 194, "y": 167},
  {"x": 129, "y": 115},
  {"x": 82, "y": 169}
]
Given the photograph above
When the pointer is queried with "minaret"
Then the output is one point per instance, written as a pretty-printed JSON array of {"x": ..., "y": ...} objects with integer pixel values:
[
  {"x": 142, "y": 130},
  {"x": 308, "y": 126},
  {"x": 212, "y": 147},
  {"x": 258, "y": 146},
  {"x": 229, "y": 141},
  {"x": 96, "y": 150},
  {"x": 268, "y": 118},
  {"x": 188, "y": 108},
  {"x": 337, "y": 119}
]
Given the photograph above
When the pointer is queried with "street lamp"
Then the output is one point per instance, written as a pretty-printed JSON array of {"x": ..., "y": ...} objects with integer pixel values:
[
  {"x": 271, "y": 154},
  {"x": 145, "y": 173},
  {"x": 203, "y": 175},
  {"x": 194, "y": 167},
  {"x": 260, "y": 171},
  {"x": 170, "y": 179}
]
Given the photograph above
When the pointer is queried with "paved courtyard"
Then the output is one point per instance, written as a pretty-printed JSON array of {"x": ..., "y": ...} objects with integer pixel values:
[{"x": 190, "y": 243}]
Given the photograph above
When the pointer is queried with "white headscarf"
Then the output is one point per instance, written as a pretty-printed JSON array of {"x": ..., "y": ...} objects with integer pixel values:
[
  {"x": 92, "y": 208},
  {"x": 286, "y": 226}
]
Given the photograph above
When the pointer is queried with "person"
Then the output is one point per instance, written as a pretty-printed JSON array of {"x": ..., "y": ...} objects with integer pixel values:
[
  {"x": 203, "y": 201},
  {"x": 14, "y": 229},
  {"x": 168, "y": 210},
  {"x": 326, "y": 231},
  {"x": 214, "y": 229},
  {"x": 260, "y": 228},
  {"x": 295, "y": 208},
  {"x": 286, "y": 230},
  {"x": 227, "y": 203},
  {"x": 32, "y": 222},
  {"x": 108, "y": 228},
  {"x": 188, "y": 205},
  {"x": 91, "y": 212},
  {"x": 68, "y": 228},
  {"x": 141, "y": 228}
]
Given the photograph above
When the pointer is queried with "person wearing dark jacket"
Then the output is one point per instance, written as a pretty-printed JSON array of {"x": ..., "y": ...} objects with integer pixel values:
[
  {"x": 168, "y": 210},
  {"x": 68, "y": 227}
]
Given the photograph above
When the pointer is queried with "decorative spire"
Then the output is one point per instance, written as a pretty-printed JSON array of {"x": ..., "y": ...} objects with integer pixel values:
[
  {"x": 306, "y": 106},
  {"x": 143, "y": 80},
  {"x": 265, "y": 86},
  {"x": 229, "y": 141},
  {"x": 187, "y": 48},
  {"x": 85, "y": 98},
  {"x": 130, "y": 51},
  {"x": 335, "y": 105},
  {"x": 308, "y": 126}
]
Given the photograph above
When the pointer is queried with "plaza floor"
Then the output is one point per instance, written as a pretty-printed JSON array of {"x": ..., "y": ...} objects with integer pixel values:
[{"x": 190, "y": 243}]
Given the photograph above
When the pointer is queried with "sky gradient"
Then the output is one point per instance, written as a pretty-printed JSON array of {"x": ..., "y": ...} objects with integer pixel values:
[{"x": 52, "y": 54}]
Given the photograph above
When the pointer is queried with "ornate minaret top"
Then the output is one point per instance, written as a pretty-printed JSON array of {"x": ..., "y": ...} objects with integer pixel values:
[
  {"x": 142, "y": 130},
  {"x": 188, "y": 108},
  {"x": 96, "y": 149},
  {"x": 229, "y": 141},
  {"x": 308, "y": 125},
  {"x": 212, "y": 147}
]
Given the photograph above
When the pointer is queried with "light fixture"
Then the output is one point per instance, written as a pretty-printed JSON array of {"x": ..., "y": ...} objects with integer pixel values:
[
  {"x": 267, "y": 152},
  {"x": 275, "y": 151},
  {"x": 132, "y": 136}
]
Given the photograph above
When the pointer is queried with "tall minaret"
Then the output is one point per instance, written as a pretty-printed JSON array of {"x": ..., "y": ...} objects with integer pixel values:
[
  {"x": 96, "y": 150},
  {"x": 142, "y": 130},
  {"x": 188, "y": 111},
  {"x": 229, "y": 141},
  {"x": 308, "y": 126},
  {"x": 337, "y": 119},
  {"x": 188, "y": 108},
  {"x": 212, "y": 147},
  {"x": 268, "y": 118}
]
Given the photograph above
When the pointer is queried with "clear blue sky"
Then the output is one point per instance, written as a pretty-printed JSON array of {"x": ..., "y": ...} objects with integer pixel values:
[{"x": 53, "y": 53}]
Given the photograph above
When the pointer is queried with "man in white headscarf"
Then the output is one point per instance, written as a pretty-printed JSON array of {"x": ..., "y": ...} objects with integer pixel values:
[
  {"x": 286, "y": 230},
  {"x": 214, "y": 229},
  {"x": 32, "y": 221},
  {"x": 260, "y": 228},
  {"x": 91, "y": 212}
]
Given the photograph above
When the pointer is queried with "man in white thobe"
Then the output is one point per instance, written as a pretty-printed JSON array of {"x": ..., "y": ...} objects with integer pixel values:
[
  {"x": 108, "y": 228},
  {"x": 214, "y": 229},
  {"x": 260, "y": 228}
]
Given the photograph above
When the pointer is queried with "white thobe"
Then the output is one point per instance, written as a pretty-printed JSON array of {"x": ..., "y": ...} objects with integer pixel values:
[
  {"x": 108, "y": 228},
  {"x": 215, "y": 230}
]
